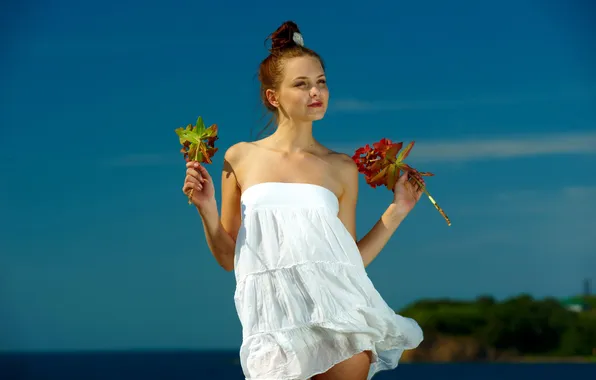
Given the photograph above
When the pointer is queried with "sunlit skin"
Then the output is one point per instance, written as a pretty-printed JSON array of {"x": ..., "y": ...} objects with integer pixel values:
[
  {"x": 298, "y": 157},
  {"x": 303, "y": 86}
]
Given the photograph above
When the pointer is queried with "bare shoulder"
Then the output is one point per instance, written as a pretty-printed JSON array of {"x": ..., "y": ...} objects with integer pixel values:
[
  {"x": 344, "y": 165},
  {"x": 346, "y": 171},
  {"x": 233, "y": 160},
  {"x": 235, "y": 152}
]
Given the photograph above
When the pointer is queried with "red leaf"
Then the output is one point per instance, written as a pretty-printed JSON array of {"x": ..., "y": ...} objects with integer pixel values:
[
  {"x": 382, "y": 164},
  {"x": 379, "y": 178}
]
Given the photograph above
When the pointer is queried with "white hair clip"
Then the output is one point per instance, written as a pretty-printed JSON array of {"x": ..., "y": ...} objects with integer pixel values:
[{"x": 297, "y": 37}]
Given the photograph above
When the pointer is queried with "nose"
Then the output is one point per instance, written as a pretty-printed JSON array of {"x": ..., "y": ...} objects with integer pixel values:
[{"x": 315, "y": 91}]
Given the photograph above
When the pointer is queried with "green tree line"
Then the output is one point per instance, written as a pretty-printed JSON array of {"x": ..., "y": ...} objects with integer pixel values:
[{"x": 520, "y": 324}]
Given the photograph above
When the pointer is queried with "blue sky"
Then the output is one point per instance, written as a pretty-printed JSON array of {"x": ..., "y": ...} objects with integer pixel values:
[{"x": 98, "y": 247}]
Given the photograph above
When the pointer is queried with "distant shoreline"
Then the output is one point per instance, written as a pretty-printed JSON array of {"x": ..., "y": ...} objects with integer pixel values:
[
  {"x": 549, "y": 359},
  {"x": 233, "y": 354}
]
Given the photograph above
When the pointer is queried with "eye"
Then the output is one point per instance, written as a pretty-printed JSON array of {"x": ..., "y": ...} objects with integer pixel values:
[
  {"x": 299, "y": 84},
  {"x": 322, "y": 81}
]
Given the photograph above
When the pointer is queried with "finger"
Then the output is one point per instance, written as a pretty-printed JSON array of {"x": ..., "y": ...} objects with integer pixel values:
[
  {"x": 189, "y": 186},
  {"x": 419, "y": 192},
  {"x": 408, "y": 184},
  {"x": 403, "y": 178},
  {"x": 192, "y": 180},
  {"x": 190, "y": 164},
  {"x": 204, "y": 172},
  {"x": 193, "y": 173}
]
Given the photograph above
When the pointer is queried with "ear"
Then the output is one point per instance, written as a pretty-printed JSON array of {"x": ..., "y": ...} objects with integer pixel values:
[{"x": 272, "y": 98}]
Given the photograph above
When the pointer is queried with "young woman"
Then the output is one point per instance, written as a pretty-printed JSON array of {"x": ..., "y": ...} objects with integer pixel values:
[{"x": 288, "y": 230}]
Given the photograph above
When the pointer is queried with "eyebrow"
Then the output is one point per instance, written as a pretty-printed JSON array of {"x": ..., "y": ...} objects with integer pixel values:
[{"x": 320, "y": 75}]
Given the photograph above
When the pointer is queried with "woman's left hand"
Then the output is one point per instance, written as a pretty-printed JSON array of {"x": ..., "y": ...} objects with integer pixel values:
[{"x": 406, "y": 194}]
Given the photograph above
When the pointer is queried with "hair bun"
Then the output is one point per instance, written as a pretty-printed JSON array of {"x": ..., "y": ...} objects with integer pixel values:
[{"x": 286, "y": 36}]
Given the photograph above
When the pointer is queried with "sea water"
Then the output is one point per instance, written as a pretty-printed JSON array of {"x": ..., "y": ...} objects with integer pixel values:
[{"x": 225, "y": 366}]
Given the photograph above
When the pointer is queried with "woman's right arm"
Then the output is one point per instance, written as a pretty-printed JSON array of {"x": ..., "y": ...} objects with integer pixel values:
[{"x": 221, "y": 232}]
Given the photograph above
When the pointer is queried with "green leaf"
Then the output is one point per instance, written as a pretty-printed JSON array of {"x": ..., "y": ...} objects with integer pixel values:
[
  {"x": 193, "y": 138},
  {"x": 200, "y": 128},
  {"x": 404, "y": 153},
  {"x": 210, "y": 131},
  {"x": 197, "y": 141},
  {"x": 392, "y": 176}
]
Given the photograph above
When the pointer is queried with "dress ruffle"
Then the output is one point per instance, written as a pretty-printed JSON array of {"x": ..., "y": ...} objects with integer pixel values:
[
  {"x": 303, "y": 296},
  {"x": 317, "y": 315}
]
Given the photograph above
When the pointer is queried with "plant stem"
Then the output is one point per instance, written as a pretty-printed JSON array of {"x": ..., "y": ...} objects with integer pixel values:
[
  {"x": 439, "y": 209},
  {"x": 196, "y": 158}
]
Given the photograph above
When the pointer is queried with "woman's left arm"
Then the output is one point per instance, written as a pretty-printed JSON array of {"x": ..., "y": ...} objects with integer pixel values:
[{"x": 374, "y": 241}]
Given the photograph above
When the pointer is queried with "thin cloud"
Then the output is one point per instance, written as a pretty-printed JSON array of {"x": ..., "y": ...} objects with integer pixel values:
[
  {"x": 550, "y": 228},
  {"x": 576, "y": 194},
  {"x": 580, "y": 193},
  {"x": 359, "y": 105},
  {"x": 566, "y": 206},
  {"x": 143, "y": 159},
  {"x": 355, "y": 105},
  {"x": 426, "y": 151},
  {"x": 499, "y": 147}
]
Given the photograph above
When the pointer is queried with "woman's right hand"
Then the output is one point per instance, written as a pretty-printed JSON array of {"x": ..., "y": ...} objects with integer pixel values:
[{"x": 200, "y": 182}]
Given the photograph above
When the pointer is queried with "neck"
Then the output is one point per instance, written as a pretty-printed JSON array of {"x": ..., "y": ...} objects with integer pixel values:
[{"x": 291, "y": 136}]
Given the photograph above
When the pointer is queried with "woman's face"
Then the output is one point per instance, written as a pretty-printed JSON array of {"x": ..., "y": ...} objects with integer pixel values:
[{"x": 303, "y": 94}]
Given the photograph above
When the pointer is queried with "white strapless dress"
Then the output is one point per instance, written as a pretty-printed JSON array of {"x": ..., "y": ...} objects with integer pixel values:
[{"x": 302, "y": 294}]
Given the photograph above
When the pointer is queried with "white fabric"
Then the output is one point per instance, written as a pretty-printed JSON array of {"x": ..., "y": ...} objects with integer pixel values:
[{"x": 302, "y": 294}]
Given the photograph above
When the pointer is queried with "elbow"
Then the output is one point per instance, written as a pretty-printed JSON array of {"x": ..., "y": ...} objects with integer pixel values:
[
  {"x": 365, "y": 262},
  {"x": 228, "y": 263},
  {"x": 228, "y": 267},
  {"x": 225, "y": 258}
]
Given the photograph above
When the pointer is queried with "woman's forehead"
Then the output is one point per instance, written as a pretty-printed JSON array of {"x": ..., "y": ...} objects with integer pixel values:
[{"x": 308, "y": 67}]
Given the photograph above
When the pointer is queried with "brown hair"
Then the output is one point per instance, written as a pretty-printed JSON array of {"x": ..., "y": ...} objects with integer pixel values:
[{"x": 282, "y": 48}]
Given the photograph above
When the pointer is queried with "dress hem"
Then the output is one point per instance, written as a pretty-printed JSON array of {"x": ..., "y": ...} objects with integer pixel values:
[
  {"x": 371, "y": 345},
  {"x": 321, "y": 371}
]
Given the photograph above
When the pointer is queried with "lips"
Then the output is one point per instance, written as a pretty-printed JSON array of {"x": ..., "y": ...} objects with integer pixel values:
[{"x": 316, "y": 105}]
